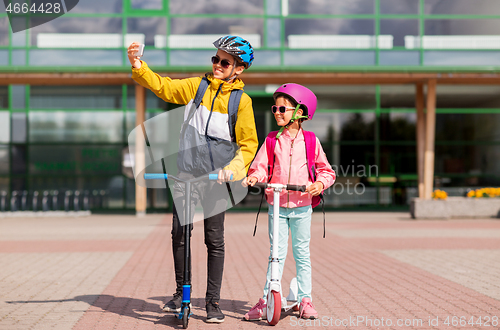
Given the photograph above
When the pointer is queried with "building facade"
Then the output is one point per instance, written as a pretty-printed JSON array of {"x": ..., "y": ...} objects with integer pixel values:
[{"x": 71, "y": 140}]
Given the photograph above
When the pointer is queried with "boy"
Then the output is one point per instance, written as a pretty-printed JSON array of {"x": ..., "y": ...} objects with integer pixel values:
[{"x": 234, "y": 55}]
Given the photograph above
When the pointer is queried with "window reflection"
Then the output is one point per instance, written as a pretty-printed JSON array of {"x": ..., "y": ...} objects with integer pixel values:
[
  {"x": 399, "y": 7},
  {"x": 147, "y": 4},
  {"x": 84, "y": 126},
  {"x": 399, "y": 28},
  {"x": 247, "y": 7},
  {"x": 4, "y": 160},
  {"x": 4, "y": 100},
  {"x": 461, "y": 58},
  {"x": 98, "y": 6},
  {"x": 467, "y": 127},
  {"x": 75, "y": 97},
  {"x": 331, "y": 7},
  {"x": 4, "y": 31},
  {"x": 4, "y": 126},
  {"x": 398, "y": 126},
  {"x": 461, "y": 27},
  {"x": 220, "y": 26},
  {"x": 462, "y": 7},
  {"x": 335, "y": 26},
  {"x": 469, "y": 96},
  {"x": 150, "y": 27}
]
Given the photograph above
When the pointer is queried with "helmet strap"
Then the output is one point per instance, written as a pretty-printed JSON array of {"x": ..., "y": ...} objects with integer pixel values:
[
  {"x": 292, "y": 120},
  {"x": 231, "y": 75}
]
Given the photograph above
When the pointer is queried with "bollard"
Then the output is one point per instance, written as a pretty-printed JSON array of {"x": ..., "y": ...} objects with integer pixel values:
[
  {"x": 45, "y": 201},
  {"x": 67, "y": 200},
  {"x": 3, "y": 201},
  {"x": 35, "y": 201},
  {"x": 13, "y": 202},
  {"x": 55, "y": 200},
  {"x": 24, "y": 201},
  {"x": 76, "y": 201}
]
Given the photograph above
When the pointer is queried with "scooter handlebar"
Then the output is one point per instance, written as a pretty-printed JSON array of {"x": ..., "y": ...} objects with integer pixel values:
[
  {"x": 152, "y": 176},
  {"x": 294, "y": 187}
]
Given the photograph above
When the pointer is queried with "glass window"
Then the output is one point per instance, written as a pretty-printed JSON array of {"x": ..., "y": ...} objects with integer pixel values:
[
  {"x": 398, "y": 159},
  {"x": 481, "y": 161},
  {"x": 18, "y": 96},
  {"x": 468, "y": 96},
  {"x": 4, "y": 30},
  {"x": 219, "y": 26},
  {"x": 398, "y": 126},
  {"x": 147, "y": 4},
  {"x": 399, "y": 58},
  {"x": 462, "y": 27},
  {"x": 273, "y": 32},
  {"x": 98, "y": 6},
  {"x": 18, "y": 127},
  {"x": 68, "y": 160},
  {"x": 4, "y": 97},
  {"x": 342, "y": 127},
  {"x": 273, "y": 7},
  {"x": 322, "y": 58},
  {"x": 356, "y": 161},
  {"x": 4, "y": 127},
  {"x": 266, "y": 58},
  {"x": 331, "y": 7},
  {"x": 4, "y": 160},
  {"x": 75, "y": 97},
  {"x": 391, "y": 7},
  {"x": 246, "y": 7},
  {"x": 191, "y": 57},
  {"x": 18, "y": 154},
  {"x": 345, "y": 96},
  {"x": 84, "y": 126},
  {"x": 397, "y": 96},
  {"x": 468, "y": 127},
  {"x": 69, "y": 57},
  {"x": 18, "y": 57},
  {"x": 331, "y": 26},
  {"x": 399, "y": 28},
  {"x": 149, "y": 27},
  {"x": 462, "y": 58},
  {"x": 77, "y": 25},
  {"x": 462, "y": 7},
  {"x": 4, "y": 57}
]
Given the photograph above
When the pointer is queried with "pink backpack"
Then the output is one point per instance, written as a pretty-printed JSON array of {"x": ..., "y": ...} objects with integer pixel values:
[{"x": 310, "y": 139}]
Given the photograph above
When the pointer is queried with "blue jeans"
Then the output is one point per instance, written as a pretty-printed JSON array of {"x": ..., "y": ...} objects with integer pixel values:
[{"x": 298, "y": 221}]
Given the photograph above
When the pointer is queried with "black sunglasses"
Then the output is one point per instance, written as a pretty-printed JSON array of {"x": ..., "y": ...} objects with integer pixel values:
[
  {"x": 282, "y": 108},
  {"x": 224, "y": 63}
]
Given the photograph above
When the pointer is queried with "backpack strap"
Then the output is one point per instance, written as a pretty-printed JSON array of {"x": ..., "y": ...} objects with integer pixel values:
[
  {"x": 202, "y": 88},
  {"x": 310, "y": 140},
  {"x": 232, "y": 111}
]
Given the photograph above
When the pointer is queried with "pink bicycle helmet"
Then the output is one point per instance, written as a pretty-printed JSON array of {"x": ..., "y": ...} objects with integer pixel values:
[{"x": 302, "y": 95}]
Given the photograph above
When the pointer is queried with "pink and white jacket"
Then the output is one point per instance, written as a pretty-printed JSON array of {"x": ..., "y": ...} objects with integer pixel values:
[{"x": 290, "y": 167}]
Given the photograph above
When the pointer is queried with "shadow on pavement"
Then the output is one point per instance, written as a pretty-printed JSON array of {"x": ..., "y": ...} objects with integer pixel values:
[{"x": 143, "y": 310}]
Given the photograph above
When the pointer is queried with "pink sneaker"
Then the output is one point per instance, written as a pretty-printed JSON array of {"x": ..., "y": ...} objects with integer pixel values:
[
  {"x": 258, "y": 312},
  {"x": 307, "y": 310}
]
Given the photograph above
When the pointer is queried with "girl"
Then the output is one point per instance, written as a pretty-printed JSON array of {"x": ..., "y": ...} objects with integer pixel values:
[{"x": 293, "y": 104}]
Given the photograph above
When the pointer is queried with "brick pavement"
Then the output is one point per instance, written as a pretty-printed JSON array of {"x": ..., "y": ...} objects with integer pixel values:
[{"x": 373, "y": 269}]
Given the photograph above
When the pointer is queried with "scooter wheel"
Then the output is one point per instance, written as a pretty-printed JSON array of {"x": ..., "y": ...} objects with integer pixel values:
[
  {"x": 185, "y": 317},
  {"x": 273, "y": 307}
]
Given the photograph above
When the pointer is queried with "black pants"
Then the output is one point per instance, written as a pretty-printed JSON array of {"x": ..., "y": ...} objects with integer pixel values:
[{"x": 211, "y": 195}]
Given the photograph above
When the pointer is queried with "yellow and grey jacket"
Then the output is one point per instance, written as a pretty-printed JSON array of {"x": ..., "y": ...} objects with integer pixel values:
[{"x": 212, "y": 111}]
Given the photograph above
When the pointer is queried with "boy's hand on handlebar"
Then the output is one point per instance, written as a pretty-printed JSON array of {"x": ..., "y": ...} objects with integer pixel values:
[
  {"x": 249, "y": 181},
  {"x": 315, "y": 189},
  {"x": 134, "y": 60},
  {"x": 225, "y": 176}
]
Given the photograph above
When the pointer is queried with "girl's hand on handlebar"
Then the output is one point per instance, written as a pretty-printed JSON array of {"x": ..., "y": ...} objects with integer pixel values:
[
  {"x": 225, "y": 176},
  {"x": 249, "y": 181},
  {"x": 134, "y": 60},
  {"x": 316, "y": 188}
]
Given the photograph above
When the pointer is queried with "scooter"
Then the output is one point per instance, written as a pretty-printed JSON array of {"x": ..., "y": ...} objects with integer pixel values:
[
  {"x": 275, "y": 300},
  {"x": 185, "y": 312}
]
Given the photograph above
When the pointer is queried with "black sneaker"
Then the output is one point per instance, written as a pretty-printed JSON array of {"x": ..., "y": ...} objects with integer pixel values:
[
  {"x": 214, "y": 314},
  {"x": 174, "y": 305}
]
